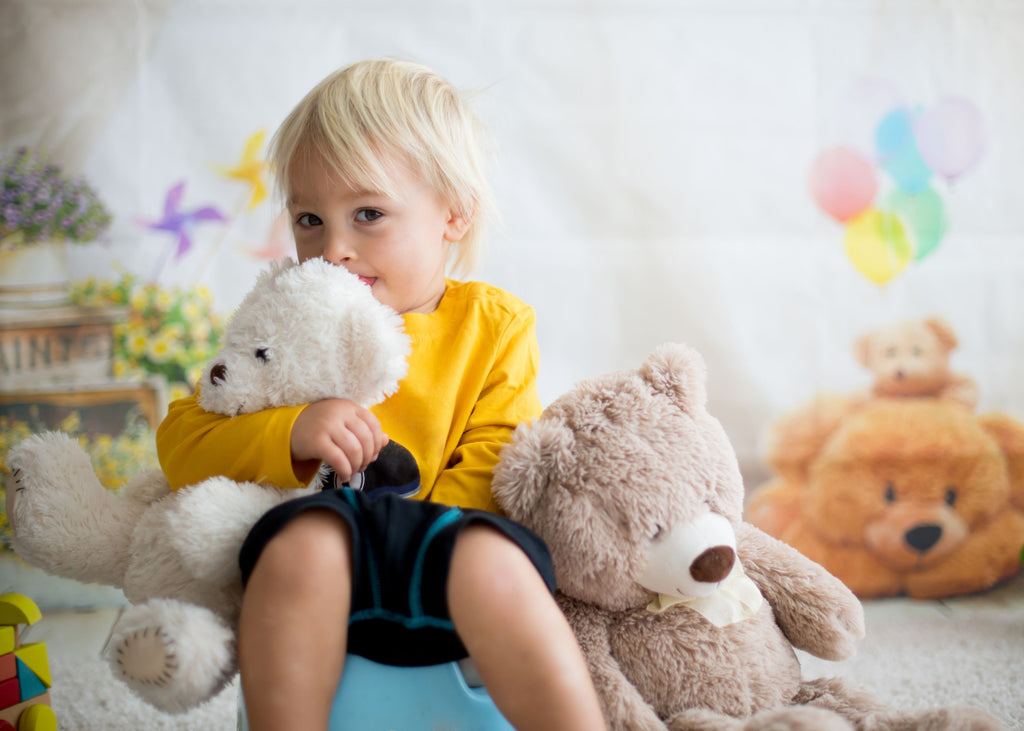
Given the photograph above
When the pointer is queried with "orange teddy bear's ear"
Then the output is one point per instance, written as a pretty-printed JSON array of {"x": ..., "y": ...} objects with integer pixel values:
[
  {"x": 797, "y": 438},
  {"x": 943, "y": 331},
  {"x": 862, "y": 349}
]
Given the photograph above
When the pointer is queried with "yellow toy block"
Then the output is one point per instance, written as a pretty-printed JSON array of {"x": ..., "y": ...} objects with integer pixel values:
[
  {"x": 18, "y": 609},
  {"x": 38, "y": 718},
  {"x": 34, "y": 657},
  {"x": 8, "y": 639}
]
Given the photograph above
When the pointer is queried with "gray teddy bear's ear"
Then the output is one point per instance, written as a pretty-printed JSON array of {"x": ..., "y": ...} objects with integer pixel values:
[
  {"x": 678, "y": 371},
  {"x": 539, "y": 454}
]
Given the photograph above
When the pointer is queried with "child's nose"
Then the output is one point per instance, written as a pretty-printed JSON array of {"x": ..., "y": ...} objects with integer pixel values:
[{"x": 339, "y": 249}]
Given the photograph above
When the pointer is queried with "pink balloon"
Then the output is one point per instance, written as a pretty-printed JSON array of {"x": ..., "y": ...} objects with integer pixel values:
[
  {"x": 843, "y": 182},
  {"x": 950, "y": 136}
]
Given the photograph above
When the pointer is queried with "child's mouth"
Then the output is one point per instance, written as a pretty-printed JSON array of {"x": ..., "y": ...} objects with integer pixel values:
[{"x": 368, "y": 281}]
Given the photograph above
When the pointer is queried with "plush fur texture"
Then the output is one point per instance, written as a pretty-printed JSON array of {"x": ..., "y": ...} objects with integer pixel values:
[
  {"x": 899, "y": 496},
  {"x": 911, "y": 358},
  {"x": 304, "y": 332},
  {"x": 628, "y": 461}
]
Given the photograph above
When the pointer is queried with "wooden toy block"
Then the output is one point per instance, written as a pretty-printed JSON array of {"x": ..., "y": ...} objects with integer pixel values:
[
  {"x": 14, "y": 713},
  {"x": 34, "y": 657},
  {"x": 10, "y": 692},
  {"x": 18, "y": 609},
  {"x": 29, "y": 684},
  {"x": 8, "y": 639},
  {"x": 38, "y": 718},
  {"x": 8, "y": 666}
]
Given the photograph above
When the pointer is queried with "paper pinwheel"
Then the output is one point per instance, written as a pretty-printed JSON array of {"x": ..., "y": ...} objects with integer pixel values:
[
  {"x": 182, "y": 223},
  {"x": 250, "y": 169}
]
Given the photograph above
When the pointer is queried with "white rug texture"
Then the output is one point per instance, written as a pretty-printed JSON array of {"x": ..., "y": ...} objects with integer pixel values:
[{"x": 916, "y": 654}]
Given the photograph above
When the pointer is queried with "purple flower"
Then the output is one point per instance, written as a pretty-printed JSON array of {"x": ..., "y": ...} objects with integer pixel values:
[{"x": 38, "y": 201}]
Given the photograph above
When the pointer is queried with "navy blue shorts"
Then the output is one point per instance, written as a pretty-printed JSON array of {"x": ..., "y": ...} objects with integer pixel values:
[{"x": 401, "y": 553}]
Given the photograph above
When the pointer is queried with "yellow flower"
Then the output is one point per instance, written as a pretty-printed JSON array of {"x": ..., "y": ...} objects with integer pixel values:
[
  {"x": 163, "y": 299},
  {"x": 173, "y": 331},
  {"x": 162, "y": 348},
  {"x": 120, "y": 368},
  {"x": 137, "y": 341},
  {"x": 194, "y": 373},
  {"x": 139, "y": 299},
  {"x": 72, "y": 423},
  {"x": 200, "y": 330},
  {"x": 192, "y": 311},
  {"x": 177, "y": 391}
]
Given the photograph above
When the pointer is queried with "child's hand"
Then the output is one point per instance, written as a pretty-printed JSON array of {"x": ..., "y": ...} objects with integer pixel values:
[{"x": 340, "y": 433}]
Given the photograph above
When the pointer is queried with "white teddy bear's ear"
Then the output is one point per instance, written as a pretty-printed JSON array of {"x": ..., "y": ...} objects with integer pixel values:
[
  {"x": 538, "y": 455},
  {"x": 678, "y": 371}
]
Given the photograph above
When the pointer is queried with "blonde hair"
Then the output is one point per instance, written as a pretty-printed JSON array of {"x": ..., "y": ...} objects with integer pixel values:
[{"x": 361, "y": 114}]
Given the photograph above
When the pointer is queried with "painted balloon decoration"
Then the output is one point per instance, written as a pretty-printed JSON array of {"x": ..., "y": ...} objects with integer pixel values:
[{"x": 884, "y": 187}]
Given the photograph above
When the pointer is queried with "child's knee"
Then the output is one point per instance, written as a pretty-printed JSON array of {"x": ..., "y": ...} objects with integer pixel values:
[
  {"x": 486, "y": 562},
  {"x": 314, "y": 543}
]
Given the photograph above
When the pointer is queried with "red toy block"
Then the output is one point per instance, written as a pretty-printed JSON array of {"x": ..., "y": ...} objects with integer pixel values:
[
  {"x": 10, "y": 693},
  {"x": 8, "y": 666}
]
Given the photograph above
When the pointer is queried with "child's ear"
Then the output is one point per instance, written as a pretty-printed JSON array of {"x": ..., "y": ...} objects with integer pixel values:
[{"x": 457, "y": 225}]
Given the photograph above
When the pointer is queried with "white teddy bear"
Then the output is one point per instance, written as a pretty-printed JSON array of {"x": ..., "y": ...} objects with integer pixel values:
[{"x": 304, "y": 333}]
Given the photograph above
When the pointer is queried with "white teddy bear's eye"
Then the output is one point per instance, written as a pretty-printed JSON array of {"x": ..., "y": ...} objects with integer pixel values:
[{"x": 261, "y": 355}]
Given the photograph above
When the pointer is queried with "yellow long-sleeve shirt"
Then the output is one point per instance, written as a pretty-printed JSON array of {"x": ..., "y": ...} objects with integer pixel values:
[{"x": 472, "y": 378}]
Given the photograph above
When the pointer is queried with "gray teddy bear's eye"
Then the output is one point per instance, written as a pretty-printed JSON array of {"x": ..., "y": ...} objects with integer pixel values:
[{"x": 261, "y": 355}]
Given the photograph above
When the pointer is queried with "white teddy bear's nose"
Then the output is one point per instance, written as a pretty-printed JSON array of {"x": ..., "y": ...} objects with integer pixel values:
[
  {"x": 691, "y": 559},
  {"x": 218, "y": 374}
]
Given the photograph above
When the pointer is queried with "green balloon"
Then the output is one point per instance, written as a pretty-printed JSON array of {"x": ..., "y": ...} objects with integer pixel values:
[{"x": 924, "y": 213}]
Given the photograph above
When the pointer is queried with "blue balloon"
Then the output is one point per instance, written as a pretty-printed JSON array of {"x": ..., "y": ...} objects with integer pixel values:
[
  {"x": 898, "y": 154},
  {"x": 894, "y": 134}
]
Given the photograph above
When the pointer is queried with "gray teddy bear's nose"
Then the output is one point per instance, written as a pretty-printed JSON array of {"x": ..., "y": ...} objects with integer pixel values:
[
  {"x": 713, "y": 565},
  {"x": 218, "y": 374}
]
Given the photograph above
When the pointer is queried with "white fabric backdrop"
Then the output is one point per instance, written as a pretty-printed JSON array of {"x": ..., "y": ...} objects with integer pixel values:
[{"x": 652, "y": 162}]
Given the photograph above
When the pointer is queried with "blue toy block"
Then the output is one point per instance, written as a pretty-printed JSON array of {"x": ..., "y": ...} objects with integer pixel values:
[{"x": 30, "y": 684}]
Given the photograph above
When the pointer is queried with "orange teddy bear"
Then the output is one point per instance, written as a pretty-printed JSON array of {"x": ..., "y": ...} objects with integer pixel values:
[
  {"x": 911, "y": 358},
  {"x": 895, "y": 496}
]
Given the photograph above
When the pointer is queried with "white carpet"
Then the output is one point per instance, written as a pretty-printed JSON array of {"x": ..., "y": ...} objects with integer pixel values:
[{"x": 916, "y": 654}]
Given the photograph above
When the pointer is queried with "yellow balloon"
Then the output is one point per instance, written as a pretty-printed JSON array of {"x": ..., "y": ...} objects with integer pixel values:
[{"x": 878, "y": 245}]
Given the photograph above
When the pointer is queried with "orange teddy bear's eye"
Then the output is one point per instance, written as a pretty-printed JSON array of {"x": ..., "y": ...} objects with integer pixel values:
[{"x": 890, "y": 492}]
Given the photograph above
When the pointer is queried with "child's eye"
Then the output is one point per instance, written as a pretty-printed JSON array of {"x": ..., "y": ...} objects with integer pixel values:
[
  {"x": 308, "y": 219},
  {"x": 365, "y": 215}
]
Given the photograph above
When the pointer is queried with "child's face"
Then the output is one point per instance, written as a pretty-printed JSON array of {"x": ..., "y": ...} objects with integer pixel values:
[{"x": 398, "y": 245}]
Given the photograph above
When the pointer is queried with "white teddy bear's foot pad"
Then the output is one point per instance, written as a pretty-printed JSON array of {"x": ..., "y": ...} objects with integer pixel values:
[{"x": 147, "y": 656}]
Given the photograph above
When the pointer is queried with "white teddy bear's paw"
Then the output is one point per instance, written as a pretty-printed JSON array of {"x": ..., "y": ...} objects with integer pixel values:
[
  {"x": 62, "y": 518},
  {"x": 172, "y": 654},
  {"x": 146, "y": 656}
]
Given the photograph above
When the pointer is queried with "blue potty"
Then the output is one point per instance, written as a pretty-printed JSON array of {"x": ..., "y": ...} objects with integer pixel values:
[{"x": 375, "y": 697}]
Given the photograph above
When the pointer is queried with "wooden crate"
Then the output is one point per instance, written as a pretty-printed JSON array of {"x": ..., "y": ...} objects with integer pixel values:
[
  {"x": 51, "y": 346},
  {"x": 103, "y": 407}
]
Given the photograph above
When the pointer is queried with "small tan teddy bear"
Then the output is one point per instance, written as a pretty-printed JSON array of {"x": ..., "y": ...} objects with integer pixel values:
[{"x": 911, "y": 358}]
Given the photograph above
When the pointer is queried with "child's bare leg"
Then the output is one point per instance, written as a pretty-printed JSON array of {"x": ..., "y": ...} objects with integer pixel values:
[
  {"x": 522, "y": 644},
  {"x": 293, "y": 627}
]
